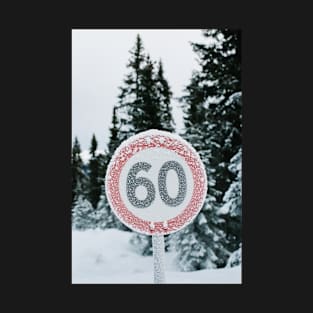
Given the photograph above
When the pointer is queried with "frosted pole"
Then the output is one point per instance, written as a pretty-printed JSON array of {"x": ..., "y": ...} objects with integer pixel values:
[{"x": 158, "y": 258}]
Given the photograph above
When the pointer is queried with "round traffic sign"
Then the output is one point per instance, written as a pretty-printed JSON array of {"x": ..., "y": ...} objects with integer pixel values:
[{"x": 156, "y": 182}]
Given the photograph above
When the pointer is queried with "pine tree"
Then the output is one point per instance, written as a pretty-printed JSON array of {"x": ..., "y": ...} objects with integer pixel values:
[
  {"x": 221, "y": 82},
  {"x": 144, "y": 103},
  {"x": 96, "y": 174},
  {"x": 149, "y": 114},
  {"x": 164, "y": 95},
  {"x": 114, "y": 140},
  {"x": 79, "y": 178},
  {"x": 235, "y": 258},
  {"x": 213, "y": 127},
  {"x": 139, "y": 99},
  {"x": 232, "y": 208},
  {"x": 150, "y": 117},
  {"x": 195, "y": 245},
  {"x": 83, "y": 214},
  {"x": 147, "y": 117},
  {"x": 105, "y": 216},
  {"x": 201, "y": 244},
  {"x": 144, "y": 99},
  {"x": 130, "y": 101}
]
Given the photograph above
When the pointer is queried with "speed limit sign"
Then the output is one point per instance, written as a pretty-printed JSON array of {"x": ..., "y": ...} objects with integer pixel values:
[{"x": 156, "y": 183}]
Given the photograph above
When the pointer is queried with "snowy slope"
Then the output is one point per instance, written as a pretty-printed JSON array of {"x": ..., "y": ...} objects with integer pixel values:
[{"x": 106, "y": 257}]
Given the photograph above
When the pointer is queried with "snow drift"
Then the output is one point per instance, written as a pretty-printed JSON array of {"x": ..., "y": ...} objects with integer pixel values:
[{"x": 106, "y": 257}]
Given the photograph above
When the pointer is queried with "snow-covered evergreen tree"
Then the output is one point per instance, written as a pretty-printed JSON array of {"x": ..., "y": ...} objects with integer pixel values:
[
  {"x": 235, "y": 258},
  {"x": 233, "y": 196},
  {"x": 212, "y": 106},
  {"x": 144, "y": 99},
  {"x": 83, "y": 215},
  {"x": 79, "y": 177},
  {"x": 105, "y": 217},
  {"x": 114, "y": 140},
  {"x": 130, "y": 100},
  {"x": 164, "y": 95},
  {"x": 155, "y": 93},
  {"x": 144, "y": 103},
  {"x": 201, "y": 244},
  {"x": 220, "y": 81},
  {"x": 96, "y": 166},
  {"x": 232, "y": 208},
  {"x": 193, "y": 244}
]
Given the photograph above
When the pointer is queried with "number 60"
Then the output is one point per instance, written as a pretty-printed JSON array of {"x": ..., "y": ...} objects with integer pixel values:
[{"x": 133, "y": 182}]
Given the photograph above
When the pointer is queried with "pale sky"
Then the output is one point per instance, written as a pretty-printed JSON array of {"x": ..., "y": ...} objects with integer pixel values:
[{"x": 99, "y": 58}]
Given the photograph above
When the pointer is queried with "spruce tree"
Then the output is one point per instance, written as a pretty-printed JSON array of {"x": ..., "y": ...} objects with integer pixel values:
[
  {"x": 83, "y": 214},
  {"x": 105, "y": 217},
  {"x": 149, "y": 114},
  {"x": 195, "y": 245},
  {"x": 144, "y": 103},
  {"x": 114, "y": 140},
  {"x": 201, "y": 244},
  {"x": 221, "y": 82},
  {"x": 164, "y": 95},
  {"x": 95, "y": 173},
  {"x": 144, "y": 99},
  {"x": 130, "y": 100},
  {"x": 213, "y": 126},
  {"x": 232, "y": 208},
  {"x": 79, "y": 177},
  {"x": 235, "y": 258}
]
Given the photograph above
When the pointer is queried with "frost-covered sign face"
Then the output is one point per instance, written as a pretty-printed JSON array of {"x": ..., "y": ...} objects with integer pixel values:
[{"x": 156, "y": 182}]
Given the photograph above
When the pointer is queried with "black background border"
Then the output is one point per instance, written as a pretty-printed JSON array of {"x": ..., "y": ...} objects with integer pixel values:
[{"x": 40, "y": 71}]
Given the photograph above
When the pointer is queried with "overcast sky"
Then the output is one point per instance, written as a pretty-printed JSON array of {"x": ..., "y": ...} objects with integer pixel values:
[{"x": 99, "y": 59}]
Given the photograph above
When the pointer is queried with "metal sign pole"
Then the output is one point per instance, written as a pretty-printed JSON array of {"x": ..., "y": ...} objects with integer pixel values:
[{"x": 158, "y": 258}]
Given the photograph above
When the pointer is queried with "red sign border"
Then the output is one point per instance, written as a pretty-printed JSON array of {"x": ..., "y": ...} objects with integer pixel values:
[{"x": 155, "y": 139}]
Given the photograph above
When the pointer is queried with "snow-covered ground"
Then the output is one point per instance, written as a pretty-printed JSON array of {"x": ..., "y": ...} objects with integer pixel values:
[{"x": 106, "y": 257}]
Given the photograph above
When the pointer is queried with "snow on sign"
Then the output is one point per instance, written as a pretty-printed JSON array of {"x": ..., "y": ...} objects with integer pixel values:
[{"x": 156, "y": 183}]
